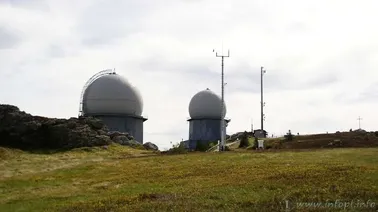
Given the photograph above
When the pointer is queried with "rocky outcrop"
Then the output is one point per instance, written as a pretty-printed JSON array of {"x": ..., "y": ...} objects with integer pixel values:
[
  {"x": 150, "y": 146},
  {"x": 124, "y": 139},
  {"x": 116, "y": 135},
  {"x": 22, "y": 130}
]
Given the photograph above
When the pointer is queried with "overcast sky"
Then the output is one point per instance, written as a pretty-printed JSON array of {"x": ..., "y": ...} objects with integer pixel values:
[{"x": 321, "y": 59}]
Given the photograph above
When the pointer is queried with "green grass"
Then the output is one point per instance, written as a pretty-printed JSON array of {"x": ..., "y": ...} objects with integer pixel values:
[{"x": 124, "y": 179}]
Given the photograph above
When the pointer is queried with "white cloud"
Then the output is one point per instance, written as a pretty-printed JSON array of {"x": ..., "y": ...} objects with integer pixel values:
[{"x": 321, "y": 59}]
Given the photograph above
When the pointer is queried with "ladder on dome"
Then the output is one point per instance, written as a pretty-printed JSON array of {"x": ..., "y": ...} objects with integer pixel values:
[{"x": 90, "y": 81}]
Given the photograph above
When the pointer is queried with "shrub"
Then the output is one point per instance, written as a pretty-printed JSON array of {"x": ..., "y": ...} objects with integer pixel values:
[
  {"x": 244, "y": 140},
  {"x": 289, "y": 136},
  {"x": 178, "y": 148},
  {"x": 203, "y": 146}
]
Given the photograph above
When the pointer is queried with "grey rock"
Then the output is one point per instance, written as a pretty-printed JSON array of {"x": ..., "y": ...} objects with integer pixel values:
[
  {"x": 21, "y": 130},
  {"x": 132, "y": 143},
  {"x": 95, "y": 124},
  {"x": 121, "y": 139},
  {"x": 150, "y": 146},
  {"x": 114, "y": 134}
]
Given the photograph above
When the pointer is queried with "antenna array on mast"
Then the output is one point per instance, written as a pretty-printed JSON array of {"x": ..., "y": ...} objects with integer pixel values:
[{"x": 222, "y": 124}]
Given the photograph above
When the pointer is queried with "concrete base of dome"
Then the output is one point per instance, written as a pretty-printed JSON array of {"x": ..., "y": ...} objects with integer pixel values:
[
  {"x": 192, "y": 145},
  {"x": 127, "y": 124},
  {"x": 205, "y": 129}
]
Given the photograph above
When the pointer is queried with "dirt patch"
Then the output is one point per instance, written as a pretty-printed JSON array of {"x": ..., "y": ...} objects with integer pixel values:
[{"x": 157, "y": 197}]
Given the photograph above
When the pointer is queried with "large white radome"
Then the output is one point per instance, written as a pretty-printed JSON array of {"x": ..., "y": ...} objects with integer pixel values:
[
  {"x": 112, "y": 94},
  {"x": 206, "y": 104}
]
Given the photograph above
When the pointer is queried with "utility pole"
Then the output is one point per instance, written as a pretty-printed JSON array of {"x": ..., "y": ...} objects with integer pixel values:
[
  {"x": 359, "y": 122},
  {"x": 222, "y": 125},
  {"x": 262, "y": 100},
  {"x": 251, "y": 125}
]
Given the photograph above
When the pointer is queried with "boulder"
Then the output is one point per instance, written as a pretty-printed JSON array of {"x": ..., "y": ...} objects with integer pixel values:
[
  {"x": 100, "y": 140},
  {"x": 114, "y": 134},
  {"x": 150, "y": 146},
  {"x": 132, "y": 143},
  {"x": 121, "y": 139},
  {"x": 125, "y": 139},
  {"x": 94, "y": 123}
]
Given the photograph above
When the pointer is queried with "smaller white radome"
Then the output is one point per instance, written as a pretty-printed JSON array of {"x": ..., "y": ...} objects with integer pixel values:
[
  {"x": 112, "y": 94},
  {"x": 206, "y": 104}
]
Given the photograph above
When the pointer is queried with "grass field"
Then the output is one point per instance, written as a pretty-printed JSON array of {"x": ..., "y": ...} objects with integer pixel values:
[{"x": 124, "y": 179}]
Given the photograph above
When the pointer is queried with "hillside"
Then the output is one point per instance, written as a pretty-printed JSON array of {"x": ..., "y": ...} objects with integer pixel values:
[
  {"x": 124, "y": 179},
  {"x": 356, "y": 139}
]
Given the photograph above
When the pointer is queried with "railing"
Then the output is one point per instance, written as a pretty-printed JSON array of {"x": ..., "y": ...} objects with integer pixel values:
[{"x": 92, "y": 79}]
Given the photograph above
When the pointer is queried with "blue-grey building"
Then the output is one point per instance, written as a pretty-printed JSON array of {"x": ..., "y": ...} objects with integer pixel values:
[
  {"x": 260, "y": 133},
  {"x": 111, "y": 98},
  {"x": 205, "y": 118}
]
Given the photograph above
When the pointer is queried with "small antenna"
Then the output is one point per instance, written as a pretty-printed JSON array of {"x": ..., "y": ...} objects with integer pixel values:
[
  {"x": 359, "y": 122},
  {"x": 222, "y": 47},
  {"x": 252, "y": 125}
]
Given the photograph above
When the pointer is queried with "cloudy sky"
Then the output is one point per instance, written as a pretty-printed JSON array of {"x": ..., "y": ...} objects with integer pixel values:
[{"x": 321, "y": 59}]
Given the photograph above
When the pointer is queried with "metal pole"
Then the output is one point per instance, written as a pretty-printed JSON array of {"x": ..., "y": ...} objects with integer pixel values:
[
  {"x": 222, "y": 124},
  {"x": 262, "y": 99},
  {"x": 251, "y": 125},
  {"x": 222, "y": 106}
]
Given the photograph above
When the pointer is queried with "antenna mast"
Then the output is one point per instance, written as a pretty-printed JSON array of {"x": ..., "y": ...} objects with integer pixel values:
[
  {"x": 359, "y": 122},
  {"x": 222, "y": 125},
  {"x": 252, "y": 126},
  {"x": 262, "y": 100}
]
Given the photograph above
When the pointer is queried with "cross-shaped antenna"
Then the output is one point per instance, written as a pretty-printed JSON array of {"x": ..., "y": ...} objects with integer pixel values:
[
  {"x": 359, "y": 122},
  {"x": 218, "y": 55}
]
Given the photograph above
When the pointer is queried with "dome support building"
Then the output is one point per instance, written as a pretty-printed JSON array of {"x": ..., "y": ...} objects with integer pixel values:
[
  {"x": 112, "y": 99},
  {"x": 205, "y": 119}
]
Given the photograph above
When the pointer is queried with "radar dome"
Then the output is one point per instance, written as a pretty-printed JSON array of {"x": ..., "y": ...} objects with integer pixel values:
[
  {"x": 206, "y": 104},
  {"x": 112, "y": 94}
]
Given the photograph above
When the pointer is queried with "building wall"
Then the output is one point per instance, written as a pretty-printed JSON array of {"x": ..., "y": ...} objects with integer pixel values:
[
  {"x": 204, "y": 130},
  {"x": 192, "y": 144},
  {"x": 131, "y": 125},
  {"x": 260, "y": 134}
]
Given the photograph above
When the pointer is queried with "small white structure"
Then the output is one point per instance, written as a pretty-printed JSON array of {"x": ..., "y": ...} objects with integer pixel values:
[{"x": 260, "y": 144}]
